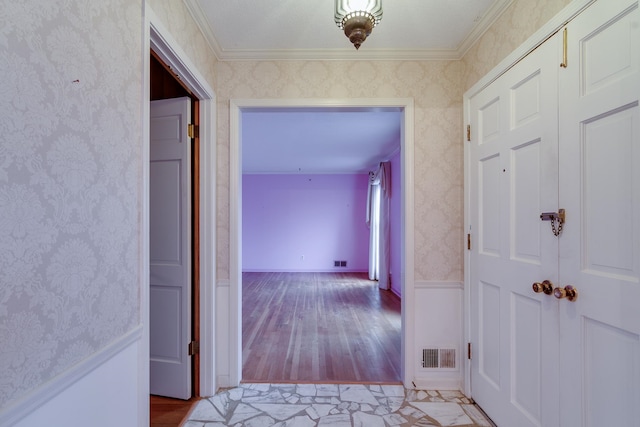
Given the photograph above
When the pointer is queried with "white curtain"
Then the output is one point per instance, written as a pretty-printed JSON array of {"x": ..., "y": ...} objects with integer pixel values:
[{"x": 378, "y": 222}]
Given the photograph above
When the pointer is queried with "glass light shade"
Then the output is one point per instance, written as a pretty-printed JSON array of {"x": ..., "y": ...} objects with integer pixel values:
[
  {"x": 346, "y": 9},
  {"x": 357, "y": 18}
]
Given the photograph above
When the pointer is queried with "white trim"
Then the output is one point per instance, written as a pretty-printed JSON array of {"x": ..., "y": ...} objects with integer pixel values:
[
  {"x": 407, "y": 245},
  {"x": 466, "y": 295},
  {"x": 308, "y": 270},
  {"x": 27, "y": 404},
  {"x": 407, "y": 226},
  {"x": 168, "y": 49},
  {"x": 346, "y": 54},
  {"x": 488, "y": 19},
  {"x": 235, "y": 242},
  {"x": 535, "y": 40},
  {"x": 432, "y": 383},
  {"x": 200, "y": 18},
  {"x": 222, "y": 341},
  {"x": 430, "y": 284},
  {"x": 208, "y": 385}
]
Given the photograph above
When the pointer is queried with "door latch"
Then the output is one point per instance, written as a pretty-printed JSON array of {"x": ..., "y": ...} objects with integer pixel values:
[{"x": 555, "y": 218}]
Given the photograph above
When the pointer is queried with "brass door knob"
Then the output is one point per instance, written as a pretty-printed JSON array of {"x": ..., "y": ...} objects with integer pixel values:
[
  {"x": 546, "y": 287},
  {"x": 568, "y": 292}
]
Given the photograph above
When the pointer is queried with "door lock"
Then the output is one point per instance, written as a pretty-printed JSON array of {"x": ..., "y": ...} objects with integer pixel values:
[
  {"x": 546, "y": 287},
  {"x": 554, "y": 217},
  {"x": 568, "y": 292}
]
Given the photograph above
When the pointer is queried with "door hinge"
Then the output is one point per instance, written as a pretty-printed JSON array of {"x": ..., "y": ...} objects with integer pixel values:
[
  {"x": 469, "y": 241},
  {"x": 468, "y": 132},
  {"x": 192, "y": 130},
  {"x": 469, "y": 350},
  {"x": 194, "y": 348}
]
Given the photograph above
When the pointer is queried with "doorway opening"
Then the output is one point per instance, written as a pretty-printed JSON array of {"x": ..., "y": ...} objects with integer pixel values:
[
  {"x": 180, "y": 67},
  {"x": 164, "y": 85},
  {"x": 406, "y": 217},
  {"x": 310, "y": 310}
]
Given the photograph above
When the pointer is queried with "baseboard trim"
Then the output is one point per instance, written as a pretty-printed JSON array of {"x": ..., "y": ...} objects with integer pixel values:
[
  {"x": 438, "y": 384},
  {"x": 424, "y": 284},
  {"x": 25, "y": 405},
  {"x": 223, "y": 381},
  {"x": 313, "y": 270}
]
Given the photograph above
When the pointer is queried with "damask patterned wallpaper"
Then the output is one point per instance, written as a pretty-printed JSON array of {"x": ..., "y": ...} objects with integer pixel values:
[
  {"x": 436, "y": 87},
  {"x": 517, "y": 23},
  {"x": 70, "y": 183},
  {"x": 175, "y": 16}
]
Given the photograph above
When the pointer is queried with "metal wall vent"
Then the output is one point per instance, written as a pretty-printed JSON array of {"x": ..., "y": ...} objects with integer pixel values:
[
  {"x": 447, "y": 358},
  {"x": 430, "y": 358},
  {"x": 439, "y": 358}
]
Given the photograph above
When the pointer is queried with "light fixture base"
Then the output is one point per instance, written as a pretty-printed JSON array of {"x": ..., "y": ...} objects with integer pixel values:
[
  {"x": 357, "y": 29},
  {"x": 357, "y": 18}
]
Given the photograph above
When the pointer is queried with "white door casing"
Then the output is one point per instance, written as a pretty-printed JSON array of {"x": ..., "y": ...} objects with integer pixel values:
[
  {"x": 170, "y": 248},
  {"x": 513, "y": 178},
  {"x": 600, "y": 243},
  {"x": 231, "y": 302}
]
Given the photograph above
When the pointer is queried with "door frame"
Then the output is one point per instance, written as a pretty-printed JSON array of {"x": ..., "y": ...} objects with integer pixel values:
[
  {"x": 535, "y": 40},
  {"x": 159, "y": 38},
  {"x": 407, "y": 218}
]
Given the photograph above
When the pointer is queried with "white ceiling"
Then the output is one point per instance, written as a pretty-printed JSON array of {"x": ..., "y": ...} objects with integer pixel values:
[
  {"x": 330, "y": 140},
  {"x": 318, "y": 140},
  {"x": 305, "y": 29}
]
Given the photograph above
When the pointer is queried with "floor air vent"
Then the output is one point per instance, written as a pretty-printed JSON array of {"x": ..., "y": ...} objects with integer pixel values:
[{"x": 439, "y": 358}]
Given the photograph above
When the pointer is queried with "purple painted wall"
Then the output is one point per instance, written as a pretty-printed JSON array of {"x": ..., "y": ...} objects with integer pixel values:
[
  {"x": 395, "y": 212},
  {"x": 304, "y": 222}
]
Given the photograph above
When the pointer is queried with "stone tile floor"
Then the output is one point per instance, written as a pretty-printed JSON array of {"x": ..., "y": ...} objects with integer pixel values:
[{"x": 335, "y": 405}]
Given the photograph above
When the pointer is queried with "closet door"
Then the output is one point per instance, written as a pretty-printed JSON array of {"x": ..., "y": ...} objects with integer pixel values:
[
  {"x": 513, "y": 161},
  {"x": 600, "y": 243}
]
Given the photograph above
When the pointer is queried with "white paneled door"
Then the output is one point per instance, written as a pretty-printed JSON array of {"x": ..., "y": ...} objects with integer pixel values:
[
  {"x": 513, "y": 178},
  {"x": 600, "y": 244},
  {"x": 170, "y": 247},
  {"x": 548, "y": 137}
]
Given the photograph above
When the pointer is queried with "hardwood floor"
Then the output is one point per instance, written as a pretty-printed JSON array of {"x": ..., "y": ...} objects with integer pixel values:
[
  {"x": 166, "y": 412},
  {"x": 319, "y": 327}
]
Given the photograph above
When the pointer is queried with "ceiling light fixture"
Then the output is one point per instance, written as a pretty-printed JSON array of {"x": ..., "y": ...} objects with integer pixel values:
[{"x": 357, "y": 18}]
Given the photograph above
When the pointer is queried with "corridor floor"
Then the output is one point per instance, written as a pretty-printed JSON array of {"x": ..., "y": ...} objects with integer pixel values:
[{"x": 335, "y": 405}]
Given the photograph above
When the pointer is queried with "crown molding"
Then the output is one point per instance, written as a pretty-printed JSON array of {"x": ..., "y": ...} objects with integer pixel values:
[
  {"x": 338, "y": 55},
  {"x": 198, "y": 16},
  {"x": 486, "y": 21}
]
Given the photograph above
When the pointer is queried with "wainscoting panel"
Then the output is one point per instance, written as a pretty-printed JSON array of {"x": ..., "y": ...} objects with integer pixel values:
[
  {"x": 223, "y": 337},
  {"x": 110, "y": 377},
  {"x": 438, "y": 335}
]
